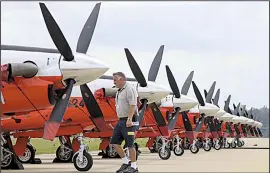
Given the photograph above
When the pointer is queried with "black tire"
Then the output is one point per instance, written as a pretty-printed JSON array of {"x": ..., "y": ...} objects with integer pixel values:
[
  {"x": 207, "y": 147},
  {"x": 187, "y": 146},
  {"x": 26, "y": 158},
  {"x": 217, "y": 146},
  {"x": 227, "y": 145},
  {"x": 86, "y": 157},
  {"x": 243, "y": 143},
  {"x": 194, "y": 151},
  {"x": 166, "y": 155},
  {"x": 64, "y": 160},
  {"x": 199, "y": 144},
  {"x": 177, "y": 152},
  {"x": 239, "y": 144},
  {"x": 113, "y": 154},
  {"x": 233, "y": 145},
  {"x": 6, "y": 164}
]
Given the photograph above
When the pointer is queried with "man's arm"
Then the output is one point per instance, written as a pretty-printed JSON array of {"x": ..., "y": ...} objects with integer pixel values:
[
  {"x": 131, "y": 111},
  {"x": 132, "y": 99}
]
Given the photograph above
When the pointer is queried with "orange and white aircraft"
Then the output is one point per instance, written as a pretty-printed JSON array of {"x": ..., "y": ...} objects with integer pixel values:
[{"x": 37, "y": 78}]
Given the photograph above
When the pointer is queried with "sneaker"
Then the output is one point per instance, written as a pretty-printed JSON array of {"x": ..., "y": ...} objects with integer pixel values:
[
  {"x": 123, "y": 167},
  {"x": 131, "y": 170}
]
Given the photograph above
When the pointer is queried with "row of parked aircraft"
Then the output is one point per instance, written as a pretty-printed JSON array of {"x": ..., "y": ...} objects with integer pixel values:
[{"x": 49, "y": 93}]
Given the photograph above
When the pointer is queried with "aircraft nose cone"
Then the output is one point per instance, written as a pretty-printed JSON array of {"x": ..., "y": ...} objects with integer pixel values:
[
  {"x": 84, "y": 69},
  {"x": 185, "y": 103},
  {"x": 208, "y": 109},
  {"x": 218, "y": 114},
  {"x": 226, "y": 117},
  {"x": 250, "y": 121},
  {"x": 154, "y": 92}
]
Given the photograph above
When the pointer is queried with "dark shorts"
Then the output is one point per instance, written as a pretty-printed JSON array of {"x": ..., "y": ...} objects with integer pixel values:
[{"x": 122, "y": 132}]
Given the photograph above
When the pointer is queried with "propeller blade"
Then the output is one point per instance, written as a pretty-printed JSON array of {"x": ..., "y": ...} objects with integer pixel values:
[
  {"x": 210, "y": 93},
  {"x": 93, "y": 108},
  {"x": 216, "y": 98},
  {"x": 217, "y": 124},
  {"x": 227, "y": 103},
  {"x": 135, "y": 69},
  {"x": 142, "y": 111},
  {"x": 229, "y": 110},
  {"x": 152, "y": 75},
  {"x": 157, "y": 115},
  {"x": 88, "y": 30},
  {"x": 161, "y": 123},
  {"x": 198, "y": 94},
  {"x": 200, "y": 124},
  {"x": 245, "y": 114},
  {"x": 174, "y": 119},
  {"x": 237, "y": 110},
  {"x": 186, "y": 121},
  {"x": 172, "y": 82},
  {"x": 234, "y": 107},
  {"x": 58, "y": 112},
  {"x": 56, "y": 34},
  {"x": 205, "y": 93},
  {"x": 187, "y": 83}
]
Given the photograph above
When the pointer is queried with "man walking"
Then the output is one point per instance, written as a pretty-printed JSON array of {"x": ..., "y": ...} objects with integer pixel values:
[{"x": 126, "y": 107}]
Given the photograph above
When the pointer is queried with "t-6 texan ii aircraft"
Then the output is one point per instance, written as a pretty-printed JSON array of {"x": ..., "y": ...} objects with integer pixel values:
[{"x": 32, "y": 80}]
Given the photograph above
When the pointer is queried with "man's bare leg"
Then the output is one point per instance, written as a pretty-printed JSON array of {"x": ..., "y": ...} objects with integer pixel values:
[
  {"x": 121, "y": 153},
  {"x": 132, "y": 155}
]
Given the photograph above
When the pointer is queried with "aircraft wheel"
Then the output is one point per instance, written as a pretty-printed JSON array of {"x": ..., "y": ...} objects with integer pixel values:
[
  {"x": 84, "y": 165},
  {"x": 28, "y": 156},
  {"x": 194, "y": 149},
  {"x": 243, "y": 143},
  {"x": 8, "y": 158},
  {"x": 239, "y": 144},
  {"x": 207, "y": 147},
  {"x": 178, "y": 151},
  {"x": 200, "y": 144},
  {"x": 217, "y": 146},
  {"x": 111, "y": 152},
  {"x": 164, "y": 155},
  {"x": 186, "y": 145},
  {"x": 65, "y": 156},
  {"x": 226, "y": 145},
  {"x": 233, "y": 144}
]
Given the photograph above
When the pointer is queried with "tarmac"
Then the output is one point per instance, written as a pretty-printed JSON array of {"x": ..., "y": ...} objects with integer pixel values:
[{"x": 253, "y": 157}]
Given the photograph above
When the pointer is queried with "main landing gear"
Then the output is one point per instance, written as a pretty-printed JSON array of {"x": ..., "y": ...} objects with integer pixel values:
[
  {"x": 8, "y": 156},
  {"x": 29, "y": 155},
  {"x": 64, "y": 152}
]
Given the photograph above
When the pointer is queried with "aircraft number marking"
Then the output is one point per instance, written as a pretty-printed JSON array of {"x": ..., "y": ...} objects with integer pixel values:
[{"x": 75, "y": 102}]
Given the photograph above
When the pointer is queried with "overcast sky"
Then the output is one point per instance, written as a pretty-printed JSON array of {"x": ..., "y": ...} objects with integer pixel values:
[{"x": 226, "y": 42}]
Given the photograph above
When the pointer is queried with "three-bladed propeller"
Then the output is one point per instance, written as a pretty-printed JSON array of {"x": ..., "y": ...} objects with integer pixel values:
[
  {"x": 52, "y": 125},
  {"x": 200, "y": 99},
  {"x": 184, "y": 91},
  {"x": 141, "y": 79}
]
